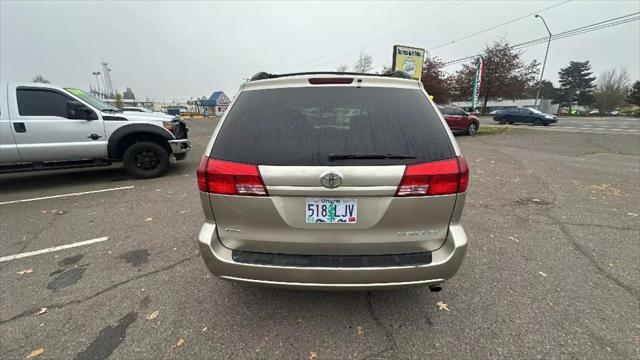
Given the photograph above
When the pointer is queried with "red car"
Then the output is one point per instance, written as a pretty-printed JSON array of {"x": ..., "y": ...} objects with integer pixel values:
[{"x": 458, "y": 119}]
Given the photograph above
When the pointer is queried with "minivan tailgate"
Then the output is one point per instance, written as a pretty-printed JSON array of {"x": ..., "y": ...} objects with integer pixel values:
[{"x": 385, "y": 224}]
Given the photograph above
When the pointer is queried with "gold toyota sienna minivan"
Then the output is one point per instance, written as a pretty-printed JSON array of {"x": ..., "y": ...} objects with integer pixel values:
[{"x": 333, "y": 181}]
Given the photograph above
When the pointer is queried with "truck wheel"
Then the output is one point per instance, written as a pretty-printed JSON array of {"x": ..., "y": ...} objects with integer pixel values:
[{"x": 146, "y": 160}]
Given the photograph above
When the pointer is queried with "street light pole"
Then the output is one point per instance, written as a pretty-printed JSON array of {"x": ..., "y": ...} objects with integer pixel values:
[{"x": 544, "y": 64}]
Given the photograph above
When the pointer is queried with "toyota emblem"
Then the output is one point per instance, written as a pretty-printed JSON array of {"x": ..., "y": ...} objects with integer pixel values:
[{"x": 331, "y": 180}]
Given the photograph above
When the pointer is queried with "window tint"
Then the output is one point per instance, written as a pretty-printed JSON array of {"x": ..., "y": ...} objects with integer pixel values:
[
  {"x": 304, "y": 126},
  {"x": 40, "y": 102},
  {"x": 457, "y": 111}
]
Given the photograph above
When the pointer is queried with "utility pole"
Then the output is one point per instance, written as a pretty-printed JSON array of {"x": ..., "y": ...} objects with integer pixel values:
[
  {"x": 96, "y": 74},
  {"x": 544, "y": 64},
  {"x": 108, "y": 84}
]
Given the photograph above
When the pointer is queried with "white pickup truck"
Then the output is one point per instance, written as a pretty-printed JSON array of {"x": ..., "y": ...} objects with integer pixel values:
[{"x": 47, "y": 127}]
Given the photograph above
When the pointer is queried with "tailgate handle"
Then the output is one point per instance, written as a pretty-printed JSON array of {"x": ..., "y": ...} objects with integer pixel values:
[{"x": 19, "y": 127}]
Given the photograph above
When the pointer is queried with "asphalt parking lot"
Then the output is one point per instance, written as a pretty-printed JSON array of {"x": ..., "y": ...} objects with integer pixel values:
[{"x": 552, "y": 271}]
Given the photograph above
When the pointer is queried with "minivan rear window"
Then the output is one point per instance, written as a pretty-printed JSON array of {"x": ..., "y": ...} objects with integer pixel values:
[{"x": 306, "y": 126}]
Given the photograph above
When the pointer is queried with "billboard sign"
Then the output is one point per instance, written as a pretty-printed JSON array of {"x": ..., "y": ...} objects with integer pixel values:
[{"x": 409, "y": 60}]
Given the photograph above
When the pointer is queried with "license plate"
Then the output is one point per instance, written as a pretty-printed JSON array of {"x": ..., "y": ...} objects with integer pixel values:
[{"x": 332, "y": 211}]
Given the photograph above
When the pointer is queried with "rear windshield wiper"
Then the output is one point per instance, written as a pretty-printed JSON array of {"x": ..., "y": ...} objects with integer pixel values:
[{"x": 369, "y": 156}]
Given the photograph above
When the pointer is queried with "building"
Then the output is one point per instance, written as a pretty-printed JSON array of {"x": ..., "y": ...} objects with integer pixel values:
[
  {"x": 546, "y": 105},
  {"x": 216, "y": 104}
]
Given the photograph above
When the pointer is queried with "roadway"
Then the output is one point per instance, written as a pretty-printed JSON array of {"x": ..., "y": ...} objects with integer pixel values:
[{"x": 616, "y": 124}]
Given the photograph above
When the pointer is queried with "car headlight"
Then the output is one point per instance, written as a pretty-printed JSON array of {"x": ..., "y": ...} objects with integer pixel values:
[{"x": 169, "y": 125}]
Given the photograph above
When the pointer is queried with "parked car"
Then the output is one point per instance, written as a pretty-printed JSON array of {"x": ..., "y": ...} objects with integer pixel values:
[
  {"x": 459, "y": 120},
  {"x": 47, "y": 127},
  {"x": 296, "y": 193},
  {"x": 524, "y": 115}
]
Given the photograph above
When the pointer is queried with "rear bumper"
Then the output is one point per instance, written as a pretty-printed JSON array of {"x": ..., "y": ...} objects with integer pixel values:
[{"x": 445, "y": 262}]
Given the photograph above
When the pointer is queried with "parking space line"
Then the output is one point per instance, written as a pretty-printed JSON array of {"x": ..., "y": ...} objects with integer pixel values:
[
  {"x": 66, "y": 195},
  {"x": 52, "y": 249}
]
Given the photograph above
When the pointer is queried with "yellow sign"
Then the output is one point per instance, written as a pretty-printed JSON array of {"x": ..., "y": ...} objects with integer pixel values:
[{"x": 409, "y": 60}]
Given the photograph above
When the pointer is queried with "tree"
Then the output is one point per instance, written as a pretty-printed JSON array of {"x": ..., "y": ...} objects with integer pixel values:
[
  {"x": 364, "y": 63},
  {"x": 547, "y": 90},
  {"x": 119, "y": 102},
  {"x": 435, "y": 80},
  {"x": 612, "y": 89},
  {"x": 40, "y": 79},
  {"x": 505, "y": 75},
  {"x": 634, "y": 94},
  {"x": 342, "y": 68},
  {"x": 576, "y": 84}
]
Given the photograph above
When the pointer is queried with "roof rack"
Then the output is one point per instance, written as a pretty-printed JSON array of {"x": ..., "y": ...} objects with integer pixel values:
[{"x": 264, "y": 75}]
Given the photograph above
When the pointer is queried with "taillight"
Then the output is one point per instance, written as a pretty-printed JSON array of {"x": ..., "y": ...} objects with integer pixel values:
[
  {"x": 230, "y": 178},
  {"x": 435, "y": 178},
  {"x": 322, "y": 81}
]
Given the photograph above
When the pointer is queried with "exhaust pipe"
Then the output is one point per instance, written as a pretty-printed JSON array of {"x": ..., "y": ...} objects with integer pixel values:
[{"x": 435, "y": 288}]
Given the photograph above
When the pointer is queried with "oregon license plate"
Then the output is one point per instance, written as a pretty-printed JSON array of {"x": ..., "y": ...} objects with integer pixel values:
[{"x": 332, "y": 211}]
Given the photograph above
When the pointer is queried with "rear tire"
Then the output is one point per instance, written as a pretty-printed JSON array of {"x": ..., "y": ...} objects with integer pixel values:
[
  {"x": 146, "y": 160},
  {"x": 502, "y": 121},
  {"x": 472, "y": 129},
  {"x": 510, "y": 122}
]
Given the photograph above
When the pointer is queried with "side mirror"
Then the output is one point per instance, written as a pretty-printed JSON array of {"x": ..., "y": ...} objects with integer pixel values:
[{"x": 77, "y": 110}]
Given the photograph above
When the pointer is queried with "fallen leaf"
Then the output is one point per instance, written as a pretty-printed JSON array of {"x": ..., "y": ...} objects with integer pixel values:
[
  {"x": 632, "y": 214},
  {"x": 442, "y": 306},
  {"x": 42, "y": 311},
  {"x": 312, "y": 355},
  {"x": 204, "y": 329},
  {"x": 35, "y": 353},
  {"x": 178, "y": 344},
  {"x": 148, "y": 219},
  {"x": 514, "y": 239},
  {"x": 25, "y": 271},
  {"x": 543, "y": 274},
  {"x": 43, "y": 212},
  {"x": 535, "y": 200},
  {"x": 153, "y": 315},
  {"x": 360, "y": 331},
  {"x": 184, "y": 211}
]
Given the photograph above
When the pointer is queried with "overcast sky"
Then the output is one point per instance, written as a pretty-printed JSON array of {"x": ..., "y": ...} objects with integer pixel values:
[{"x": 178, "y": 50}]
